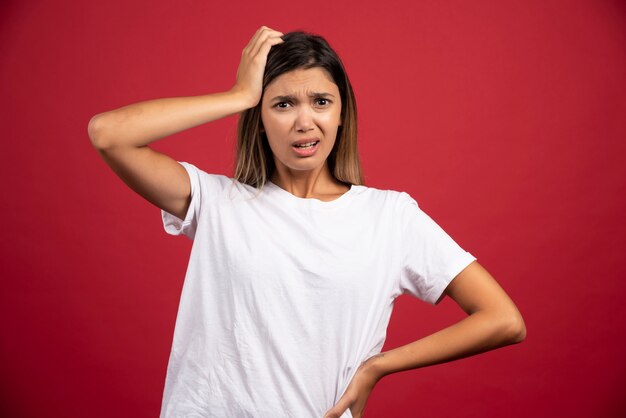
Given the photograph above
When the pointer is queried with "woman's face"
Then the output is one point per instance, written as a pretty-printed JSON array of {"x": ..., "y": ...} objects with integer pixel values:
[{"x": 301, "y": 106}]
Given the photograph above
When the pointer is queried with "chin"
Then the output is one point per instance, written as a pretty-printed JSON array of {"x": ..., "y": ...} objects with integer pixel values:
[{"x": 303, "y": 164}]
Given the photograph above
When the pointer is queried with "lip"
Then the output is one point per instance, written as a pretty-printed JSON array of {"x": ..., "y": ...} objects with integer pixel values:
[
  {"x": 308, "y": 151},
  {"x": 304, "y": 141}
]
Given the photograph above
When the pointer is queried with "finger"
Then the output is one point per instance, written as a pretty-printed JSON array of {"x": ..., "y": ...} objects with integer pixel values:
[
  {"x": 334, "y": 413},
  {"x": 263, "y": 37},
  {"x": 254, "y": 50},
  {"x": 256, "y": 35},
  {"x": 253, "y": 40},
  {"x": 267, "y": 45},
  {"x": 337, "y": 410}
]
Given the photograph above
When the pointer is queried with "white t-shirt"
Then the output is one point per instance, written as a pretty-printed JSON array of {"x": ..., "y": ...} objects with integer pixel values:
[{"x": 284, "y": 297}]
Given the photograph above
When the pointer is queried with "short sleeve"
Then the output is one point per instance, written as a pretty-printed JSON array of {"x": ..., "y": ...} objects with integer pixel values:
[
  {"x": 187, "y": 226},
  {"x": 431, "y": 258}
]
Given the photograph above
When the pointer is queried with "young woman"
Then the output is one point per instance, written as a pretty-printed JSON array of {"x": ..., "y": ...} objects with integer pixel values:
[{"x": 295, "y": 263}]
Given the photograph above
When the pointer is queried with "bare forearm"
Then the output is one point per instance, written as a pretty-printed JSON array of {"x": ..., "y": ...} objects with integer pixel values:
[
  {"x": 141, "y": 123},
  {"x": 475, "y": 334}
]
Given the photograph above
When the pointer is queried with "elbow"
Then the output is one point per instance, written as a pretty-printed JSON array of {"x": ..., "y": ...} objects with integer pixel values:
[
  {"x": 94, "y": 130},
  {"x": 515, "y": 328},
  {"x": 98, "y": 131}
]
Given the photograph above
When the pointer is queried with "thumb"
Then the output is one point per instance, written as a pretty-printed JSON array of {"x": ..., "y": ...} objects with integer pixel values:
[{"x": 338, "y": 410}]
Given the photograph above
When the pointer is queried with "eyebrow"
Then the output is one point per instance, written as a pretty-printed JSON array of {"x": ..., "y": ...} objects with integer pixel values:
[{"x": 293, "y": 98}]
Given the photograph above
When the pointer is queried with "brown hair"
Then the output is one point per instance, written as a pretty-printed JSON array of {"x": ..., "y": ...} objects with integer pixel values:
[{"x": 255, "y": 161}]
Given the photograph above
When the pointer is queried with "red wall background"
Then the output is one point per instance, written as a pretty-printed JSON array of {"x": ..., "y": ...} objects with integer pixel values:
[{"x": 506, "y": 120}]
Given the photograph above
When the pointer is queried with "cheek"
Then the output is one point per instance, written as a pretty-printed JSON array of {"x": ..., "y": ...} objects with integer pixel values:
[
  {"x": 329, "y": 118},
  {"x": 274, "y": 123}
]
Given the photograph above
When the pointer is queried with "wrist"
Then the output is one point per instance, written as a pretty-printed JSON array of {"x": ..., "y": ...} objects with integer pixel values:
[
  {"x": 245, "y": 99},
  {"x": 375, "y": 366}
]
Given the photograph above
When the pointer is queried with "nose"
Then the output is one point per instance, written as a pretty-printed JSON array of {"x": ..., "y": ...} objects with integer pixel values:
[{"x": 304, "y": 119}]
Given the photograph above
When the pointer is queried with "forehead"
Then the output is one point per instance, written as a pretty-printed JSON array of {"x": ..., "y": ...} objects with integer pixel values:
[{"x": 300, "y": 79}]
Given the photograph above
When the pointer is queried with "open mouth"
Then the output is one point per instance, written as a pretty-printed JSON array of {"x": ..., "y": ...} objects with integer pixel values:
[
  {"x": 307, "y": 149},
  {"x": 308, "y": 145}
]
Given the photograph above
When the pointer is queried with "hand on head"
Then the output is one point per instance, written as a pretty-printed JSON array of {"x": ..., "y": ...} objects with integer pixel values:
[{"x": 252, "y": 65}]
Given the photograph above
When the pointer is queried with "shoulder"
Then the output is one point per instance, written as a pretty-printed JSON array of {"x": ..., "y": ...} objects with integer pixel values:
[
  {"x": 214, "y": 184},
  {"x": 192, "y": 169},
  {"x": 388, "y": 196}
]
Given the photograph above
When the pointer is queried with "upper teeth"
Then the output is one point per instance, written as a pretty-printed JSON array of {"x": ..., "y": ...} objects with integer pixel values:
[{"x": 306, "y": 145}]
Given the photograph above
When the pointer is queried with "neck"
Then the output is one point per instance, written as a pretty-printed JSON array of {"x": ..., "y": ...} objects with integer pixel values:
[{"x": 305, "y": 183}]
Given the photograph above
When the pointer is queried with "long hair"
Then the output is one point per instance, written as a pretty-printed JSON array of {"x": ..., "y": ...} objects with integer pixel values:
[{"x": 300, "y": 50}]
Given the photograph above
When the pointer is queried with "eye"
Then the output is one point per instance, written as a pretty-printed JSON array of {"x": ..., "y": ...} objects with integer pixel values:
[
  {"x": 282, "y": 105},
  {"x": 323, "y": 102}
]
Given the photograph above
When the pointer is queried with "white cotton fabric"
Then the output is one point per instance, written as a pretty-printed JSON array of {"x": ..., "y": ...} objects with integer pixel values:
[{"x": 284, "y": 297}]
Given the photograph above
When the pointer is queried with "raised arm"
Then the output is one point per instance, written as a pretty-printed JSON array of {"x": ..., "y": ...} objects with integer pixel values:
[{"x": 121, "y": 136}]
